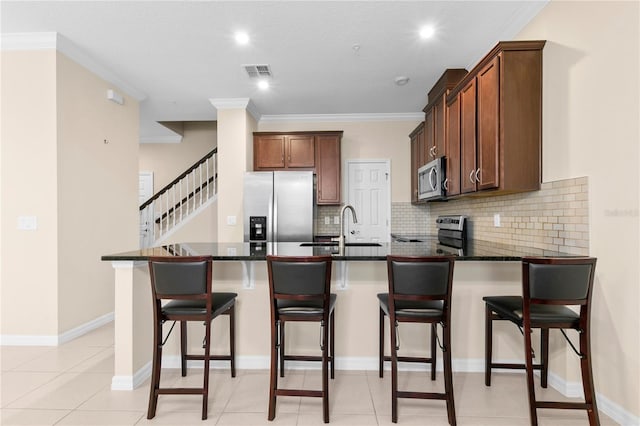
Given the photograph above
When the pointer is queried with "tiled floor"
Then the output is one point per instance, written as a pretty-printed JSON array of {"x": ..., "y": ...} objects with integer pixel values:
[{"x": 70, "y": 385}]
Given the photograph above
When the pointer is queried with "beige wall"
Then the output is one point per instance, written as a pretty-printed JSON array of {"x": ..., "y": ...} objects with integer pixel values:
[
  {"x": 97, "y": 190},
  {"x": 367, "y": 140},
  {"x": 168, "y": 160},
  {"x": 591, "y": 129},
  {"x": 56, "y": 166},
  {"x": 29, "y": 170}
]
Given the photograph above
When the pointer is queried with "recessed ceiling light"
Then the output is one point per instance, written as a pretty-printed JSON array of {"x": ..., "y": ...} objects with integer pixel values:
[
  {"x": 242, "y": 38},
  {"x": 427, "y": 32},
  {"x": 263, "y": 85}
]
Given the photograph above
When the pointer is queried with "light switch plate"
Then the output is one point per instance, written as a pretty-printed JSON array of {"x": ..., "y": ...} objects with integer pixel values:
[
  {"x": 27, "y": 223},
  {"x": 336, "y": 220},
  {"x": 231, "y": 220},
  {"x": 327, "y": 220},
  {"x": 496, "y": 220}
]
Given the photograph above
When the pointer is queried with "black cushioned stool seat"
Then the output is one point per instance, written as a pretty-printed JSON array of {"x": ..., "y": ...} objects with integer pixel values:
[
  {"x": 549, "y": 287},
  {"x": 182, "y": 291},
  {"x": 419, "y": 292},
  {"x": 299, "y": 288}
]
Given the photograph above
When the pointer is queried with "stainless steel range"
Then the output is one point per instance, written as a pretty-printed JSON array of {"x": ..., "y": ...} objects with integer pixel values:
[{"x": 452, "y": 234}]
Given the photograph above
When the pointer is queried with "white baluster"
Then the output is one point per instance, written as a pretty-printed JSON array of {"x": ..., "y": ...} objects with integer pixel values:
[{"x": 207, "y": 169}]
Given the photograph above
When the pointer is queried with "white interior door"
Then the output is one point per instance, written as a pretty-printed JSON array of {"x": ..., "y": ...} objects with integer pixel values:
[{"x": 368, "y": 189}]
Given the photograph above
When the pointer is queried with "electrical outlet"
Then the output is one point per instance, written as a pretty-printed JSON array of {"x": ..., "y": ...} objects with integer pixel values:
[
  {"x": 336, "y": 220},
  {"x": 231, "y": 220},
  {"x": 496, "y": 220},
  {"x": 327, "y": 220}
]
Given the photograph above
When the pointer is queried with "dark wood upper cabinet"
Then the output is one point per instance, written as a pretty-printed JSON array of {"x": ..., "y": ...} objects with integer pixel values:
[
  {"x": 316, "y": 151},
  {"x": 328, "y": 168},
  {"x": 501, "y": 121},
  {"x": 417, "y": 160},
  {"x": 283, "y": 151},
  {"x": 467, "y": 99},
  {"x": 452, "y": 182}
]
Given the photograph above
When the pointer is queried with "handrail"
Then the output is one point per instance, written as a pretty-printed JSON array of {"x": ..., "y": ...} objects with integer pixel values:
[
  {"x": 169, "y": 207},
  {"x": 178, "y": 179}
]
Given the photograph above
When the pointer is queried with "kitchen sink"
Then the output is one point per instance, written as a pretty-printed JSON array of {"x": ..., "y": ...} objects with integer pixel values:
[{"x": 335, "y": 243}]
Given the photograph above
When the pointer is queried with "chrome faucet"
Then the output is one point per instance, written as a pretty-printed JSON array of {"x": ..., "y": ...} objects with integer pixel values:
[{"x": 355, "y": 220}]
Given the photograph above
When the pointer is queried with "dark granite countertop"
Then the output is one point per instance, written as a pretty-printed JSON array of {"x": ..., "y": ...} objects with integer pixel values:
[{"x": 474, "y": 250}]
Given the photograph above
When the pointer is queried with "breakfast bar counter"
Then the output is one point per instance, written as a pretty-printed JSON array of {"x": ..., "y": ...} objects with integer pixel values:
[
  {"x": 476, "y": 250},
  {"x": 359, "y": 274}
]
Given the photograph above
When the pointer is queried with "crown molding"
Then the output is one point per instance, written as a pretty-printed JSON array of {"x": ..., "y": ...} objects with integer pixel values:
[
  {"x": 401, "y": 116},
  {"x": 53, "y": 40},
  {"x": 236, "y": 103}
]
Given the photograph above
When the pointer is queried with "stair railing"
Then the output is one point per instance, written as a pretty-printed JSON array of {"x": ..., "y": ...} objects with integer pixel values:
[{"x": 178, "y": 200}]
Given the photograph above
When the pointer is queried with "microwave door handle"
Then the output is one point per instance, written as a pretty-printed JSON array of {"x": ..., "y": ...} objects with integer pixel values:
[{"x": 432, "y": 182}]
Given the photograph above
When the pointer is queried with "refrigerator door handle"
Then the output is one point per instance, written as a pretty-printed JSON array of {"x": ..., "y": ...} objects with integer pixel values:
[{"x": 274, "y": 217}]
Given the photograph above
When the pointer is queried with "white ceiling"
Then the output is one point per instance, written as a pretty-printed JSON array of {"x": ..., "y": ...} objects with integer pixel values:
[{"x": 180, "y": 54}]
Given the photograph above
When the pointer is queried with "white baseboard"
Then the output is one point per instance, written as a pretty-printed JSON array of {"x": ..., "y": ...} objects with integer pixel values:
[
  {"x": 569, "y": 389},
  {"x": 48, "y": 340},
  {"x": 127, "y": 383}
]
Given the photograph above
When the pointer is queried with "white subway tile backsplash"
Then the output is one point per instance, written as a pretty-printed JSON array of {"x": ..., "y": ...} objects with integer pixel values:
[{"x": 554, "y": 218}]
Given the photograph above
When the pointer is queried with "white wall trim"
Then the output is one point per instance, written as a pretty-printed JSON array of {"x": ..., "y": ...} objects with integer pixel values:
[
  {"x": 47, "y": 340},
  {"x": 611, "y": 409},
  {"x": 128, "y": 383},
  {"x": 236, "y": 103},
  {"x": 327, "y": 118},
  {"x": 53, "y": 40}
]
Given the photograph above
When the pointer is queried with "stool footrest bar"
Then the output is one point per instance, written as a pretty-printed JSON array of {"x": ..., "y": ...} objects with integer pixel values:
[
  {"x": 422, "y": 395},
  {"x": 299, "y": 392},
  {"x": 563, "y": 405}
]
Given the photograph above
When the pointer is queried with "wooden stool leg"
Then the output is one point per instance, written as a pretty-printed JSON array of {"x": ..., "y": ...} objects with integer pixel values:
[
  {"x": 157, "y": 365},
  {"x": 381, "y": 344},
  {"x": 488, "y": 344},
  {"x": 587, "y": 378},
  {"x": 183, "y": 348},
  {"x": 529, "y": 367},
  {"x": 207, "y": 359},
  {"x": 434, "y": 355},
  {"x": 325, "y": 374},
  {"x": 282, "y": 323},
  {"x": 232, "y": 339},
  {"x": 332, "y": 355},
  {"x": 273, "y": 383},
  {"x": 448, "y": 374},
  {"x": 394, "y": 374},
  {"x": 544, "y": 356}
]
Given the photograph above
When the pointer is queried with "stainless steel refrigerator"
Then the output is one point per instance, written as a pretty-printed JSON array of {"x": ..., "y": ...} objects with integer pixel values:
[{"x": 278, "y": 206}]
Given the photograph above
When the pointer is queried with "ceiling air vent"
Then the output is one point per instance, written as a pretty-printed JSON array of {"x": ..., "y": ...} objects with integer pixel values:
[{"x": 258, "y": 71}]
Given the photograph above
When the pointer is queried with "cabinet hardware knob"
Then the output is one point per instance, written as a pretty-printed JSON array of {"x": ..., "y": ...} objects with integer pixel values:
[
  {"x": 446, "y": 184},
  {"x": 471, "y": 176},
  {"x": 477, "y": 175}
]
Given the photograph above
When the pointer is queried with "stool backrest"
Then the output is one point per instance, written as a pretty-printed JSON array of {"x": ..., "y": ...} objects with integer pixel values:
[
  {"x": 303, "y": 278},
  {"x": 558, "y": 281},
  {"x": 179, "y": 277},
  {"x": 420, "y": 278}
]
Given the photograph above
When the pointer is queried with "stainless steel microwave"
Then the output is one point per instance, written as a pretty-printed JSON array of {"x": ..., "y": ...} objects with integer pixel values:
[{"x": 431, "y": 179}]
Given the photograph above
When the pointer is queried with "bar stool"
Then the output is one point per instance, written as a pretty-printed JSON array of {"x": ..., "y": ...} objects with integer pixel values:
[
  {"x": 549, "y": 286},
  {"x": 300, "y": 291},
  {"x": 419, "y": 292},
  {"x": 186, "y": 283}
]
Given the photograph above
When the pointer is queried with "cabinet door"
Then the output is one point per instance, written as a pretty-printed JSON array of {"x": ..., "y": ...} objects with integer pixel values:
[
  {"x": 452, "y": 150},
  {"x": 467, "y": 98},
  {"x": 327, "y": 153},
  {"x": 268, "y": 152},
  {"x": 489, "y": 125},
  {"x": 429, "y": 137},
  {"x": 300, "y": 151},
  {"x": 439, "y": 127},
  {"x": 415, "y": 164}
]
